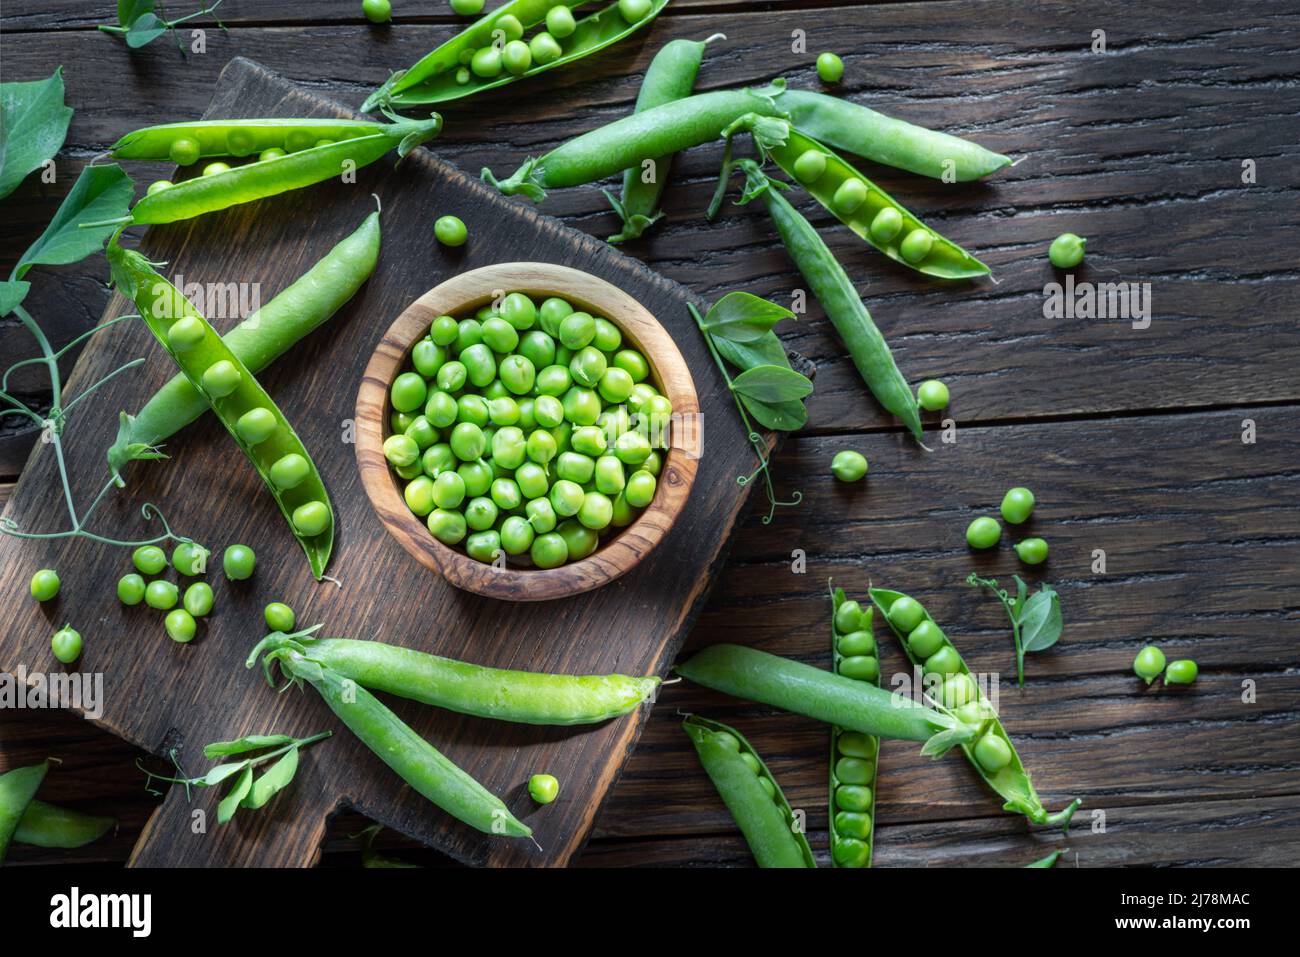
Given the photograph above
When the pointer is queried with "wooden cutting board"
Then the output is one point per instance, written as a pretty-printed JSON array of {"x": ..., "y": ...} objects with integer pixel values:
[{"x": 161, "y": 695}]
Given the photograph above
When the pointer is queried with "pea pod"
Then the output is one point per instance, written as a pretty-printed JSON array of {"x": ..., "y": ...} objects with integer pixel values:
[
  {"x": 17, "y": 789},
  {"x": 659, "y": 131},
  {"x": 865, "y": 208},
  {"x": 670, "y": 76},
  {"x": 45, "y": 825},
  {"x": 833, "y": 289},
  {"x": 238, "y": 137},
  {"x": 884, "y": 139},
  {"x": 793, "y": 686},
  {"x": 765, "y": 817},
  {"x": 853, "y": 761},
  {"x": 437, "y": 77},
  {"x": 415, "y": 761},
  {"x": 264, "y": 177},
  {"x": 526, "y": 697},
  {"x": 260, "y": 339},
  {"x": 992, "y": 752},
  {"x": 238, "y": 399}
]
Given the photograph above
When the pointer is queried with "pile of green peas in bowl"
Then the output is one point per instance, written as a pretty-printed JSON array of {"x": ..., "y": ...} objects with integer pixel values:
[{"x": 526, "y": 432}]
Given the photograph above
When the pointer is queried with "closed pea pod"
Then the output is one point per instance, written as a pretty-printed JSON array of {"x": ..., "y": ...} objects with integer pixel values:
[
  {"x": 992, "y": 753},
  {"x": 157, "y": 299},
  {"x": 853, "y": 754},
  {"x": 761, "y": 810}
]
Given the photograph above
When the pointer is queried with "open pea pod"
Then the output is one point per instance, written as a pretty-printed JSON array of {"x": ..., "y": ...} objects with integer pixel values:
[
  {"x": 753, "y": 797},
  {"x": 854, "y": 755},
  {"x": 449, "y": 73},
  {"x": 991, "y": 753},
  {"x": 864, "y": 207},
  {"x": 239, "y": 137},
  {"x": 237, "y": 399}
]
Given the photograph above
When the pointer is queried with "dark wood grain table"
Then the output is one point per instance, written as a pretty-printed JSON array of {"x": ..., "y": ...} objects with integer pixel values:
[{"x": 1164, "y": 454}]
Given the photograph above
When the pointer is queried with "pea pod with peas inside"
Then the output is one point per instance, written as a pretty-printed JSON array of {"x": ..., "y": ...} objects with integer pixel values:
[
  {"x": 238, "y": 399},
  {"x": 991, "y": 753},
  {"x": 834, "y": 290},
  {"x": 296, "y": 160},
  {"x": 493, "y": 52},
  {"x": 415, "y": 761},
  {"x": 854, "y": 755},
  {"x": 772, "y": 831},
  {"x": 526, "y": 697},
  {"x": 260, "y": 339},
  {"x": 864, "y": 207}
]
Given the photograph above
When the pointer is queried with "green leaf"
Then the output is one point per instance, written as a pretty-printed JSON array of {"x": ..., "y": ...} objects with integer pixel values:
[
  {"x": 782, "y": 416},
  {"x": 12, "y": 293},
  {"x": 33, "y": 123},
  {"x": 273, "y": 780},
  {"x": 766, "y": 350},
  {"x": 251, "y": 742},
  {"x": 943, "y": 742},
  {"x": 129, "y": 11},
  {"x": 145, "y": 30},
  {"x": 230, "y": 803},
  {"x": 1022, "y": 590},
  {"x": 101, "y": 192},
  {"x": 741, "y": 317},
  {"x": 772, "y": 384},
  {"x": 1040, "y": 626},
  {"x": 220, "y": 772}
]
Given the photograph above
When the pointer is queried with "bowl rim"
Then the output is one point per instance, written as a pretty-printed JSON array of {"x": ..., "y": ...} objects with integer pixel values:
[{"x": 470, "y": 290}]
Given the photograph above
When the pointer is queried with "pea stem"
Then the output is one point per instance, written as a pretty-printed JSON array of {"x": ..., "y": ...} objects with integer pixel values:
[{"x": 1004, "y": 597}]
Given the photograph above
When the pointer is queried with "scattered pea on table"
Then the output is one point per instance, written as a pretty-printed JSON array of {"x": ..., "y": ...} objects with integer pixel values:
[
  {"x": 451, "y": 230},
  {"x": 66, "y": 644},
  {"x": 45, "y": 584},
  {"x": 932, "y": 395},
  {"x": 149, "y": 559},
  {"x": 830, "y": 67},
  {"x": 161, "y": 595},
  {"x": 1032, "y": 551},
  {"x": 377, "y": 11},
  {"x": 543, "y": 788},
  {"x": 1181, "y": 672},
  {"x": 279, "y": 617},
  {"x": 1017, "y": 505},
  {"x": 848, "y": 465},
  {"x": 1066, "y": 251},
  {"x": 238, "y": 562},
  {"x": 1149, "y": 663},
  {"x": 984, "y": 532},
  {"x": 180, "y": 625},
  {"x": 190, "y": 559},
  {"x": 468, "y": 8},
  {"x": 198, "y": 599},
  {"x": 130, "y": 589}
]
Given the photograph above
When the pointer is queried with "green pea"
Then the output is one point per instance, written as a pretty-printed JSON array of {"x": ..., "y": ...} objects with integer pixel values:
[
  {"x": 551, "y": 313},
  {"x": 468, "y": 333},
  {"x": 984, "y": 532},
  {"x": 851, "y": 852},
  {"x": 468, "y": 442},
  {"x": 221, "y": 378},
  {"x": 408, "y": 392},
  {"x": 442, "y": 409},
  {"x": 610, "y": 479},
  {"x": 916, "y": 245},
  {"x": 538, "y": 348},
  {"x": 516, "y": 535},
  {"x": 161, "y": 595},
  {"x": 905, "y": 614},
  {"x": 509, "y": 24},
  {"x": 830, "y": 67},
  {"x": 400, "y": 421},
  {"x": 290, "y": 470},
  {"x": 932, "y": 395},
  {"x": 1032, "y": 551},
  {"x": 560, "y": 22},
  {"x": 443, "y": 330},
  {"x": 527, "y": 420},
  {"x": 624, "y": 514},
  {"x": 554, "y": 380},
  {"x": 184, "y": 151},
  {"x": 516, "y": 57},
  {"x": 467, "y": 8},
  {"x": 654, "y": 464},
  {"x": 158, "y": 185},
  {"x": 751, "y": 762},
  {"x": 1181, "y": 672},
  {"x": 588, "y": 366},
  {"x": 543, "y": 788},
  {"x": 566, "y": 497},
  {"x": 581, "y": 406},
  {"x": 855, "y": 744},
  {"x": 427, "y": 357},
  {"x": 542, "y": 447},
  {"x": 130, "y": 589},
  {"x": 1017, "y": 505},
  {"x": 548, "y": 411},
  {"x": 632, "y": 448},
  {"x": 484, "y": 546},
  {"x": 848, "y": 617},
  {"x": 400, "y": 450},
  {"x": 615, "y": 385},
  {"x": 437, "y": 458},
  {"x": 958, "y": 690},
  {"x": 481, "y": 513},
  {"x": 853, "y": 797},
  {"x": 850, "y": 195},
  {"x": 452, "y": 376},
  {"x": 849, "y": 466},
  {"x": 186, "y": 333},
  {"x": 518, "y": 310},
  {"x": 575, "y": 467},
  {"x": 580, "y": 540},
  {"x": 728, "y": 742},
  {"x": 541, "y": 515},
  {"x": 422, "y": 431},
  {"x": 419, "y": 495},
  {"x": 607, "y": 338},
  {"x": 577, "y": 330},
  {"x": 945, "y": 661},
  {"x": 992, "y": 753},
  {"x": 885, "y": 225},
  {"x": 279, "y": 616},
  {"x": 1148, "y": 664},
  {"x": 45, "y": 584},
  {"x": 448, "y": 490},
  {"x": 856, "y": 643},
  {"x": 1066, "y": 251},
  {"x": 853, "y": 824},
  {"x": 633, "y": 11},
  {"x": 480, "y": 365},
  {"x": 809, "y": 166},
  {"x": 854, "y": 770},
  {"x": 633, "y": 363},
  {"x": 640, "y": 488},
  {"x": 311, "y": 518},
  {"x": 486, "y": 62},
  {"x": 377, "y": 11},
  {"x": 597, "y": 511},
  {"x": 926, "y": 638},
  {"x": 505, "y": 492},
  {"x": 198, "y": 599},
  {"x": 446, "y": 526},
  {"x": 518, "y": 374},
  {"x": 509, "y": 447},
  {"x": 974, "y": 712},
  {"x": 589, "y": 440},
  {"x": 66, "y": 644},
  {"x": 256, "y": 425},
  {"x": 549, "y": 550},
  {"x": 407, "y": 472},
  {"x": 544, "y": 48},
  {"x": 149, "y": 559},
  {"x": 271, "y": 153},
  {"x": 298, "y": 140},
  {"x": 190, "y": 559},
  {"x": 860, "y": 667}
]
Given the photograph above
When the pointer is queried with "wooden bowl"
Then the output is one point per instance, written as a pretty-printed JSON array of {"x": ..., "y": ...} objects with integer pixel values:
[{"x": 623, "y": 549}]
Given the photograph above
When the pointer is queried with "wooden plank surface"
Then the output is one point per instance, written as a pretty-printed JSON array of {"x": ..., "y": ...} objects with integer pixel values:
[{"x": 1131, "y": 449}]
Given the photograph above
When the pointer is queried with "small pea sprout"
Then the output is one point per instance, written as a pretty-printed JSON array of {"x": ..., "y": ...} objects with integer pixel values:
[
  {"x": 141, "y": 25},
  {"x": 738, "y": 328},
  {"x": 1035, "y": 619}
]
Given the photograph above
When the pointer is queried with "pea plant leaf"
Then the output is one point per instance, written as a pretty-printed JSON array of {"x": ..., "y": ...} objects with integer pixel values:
[
  {"x": 101, "y": 192},
  {"x": 12, "y": 293},
  {"x": 782, "y": 416},
  {"x": 144, "y": 30},
  {"x": 33, "y": 123},
  {"x": 140, "y": 22},
  {"x": 220, "y": 772},
  {"x": 273, "y": 780},
  {"x": 1040, "y": 622},
  {"x": 252, "y": 742},
  {"x": 741, "y": 317},
  {"x": 766, "y": 350},
  {"x": 771, "y": 384},
  {"x": 230, "y": 803}
]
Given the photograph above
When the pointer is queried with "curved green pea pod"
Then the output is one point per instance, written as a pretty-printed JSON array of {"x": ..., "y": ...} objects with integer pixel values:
[
  {"x": 270, "y": 177},
  {"x": 835, "y": 291},
  {"x": 610, "y": 149},
  {"x": 17, "y": 789},
  {"x": 866, "y": 817},
  {"x": 260, "y": 339},
  {"x": 415, "y": 761},
  {"x": 884, "y": 139},
  {"x": 773, "y": 832},
  {"x": 214, "y": 136},
  {"x": 1012, "y": 781},
  {"x": 162, "y": 304},
  {"x": 670, "y": 76},
  {"x": 944, "y": 259},
  {"x": 526, "y": 697},
  {"x": 432, "y": 79},
  {"x": 45, "y": 825}
]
